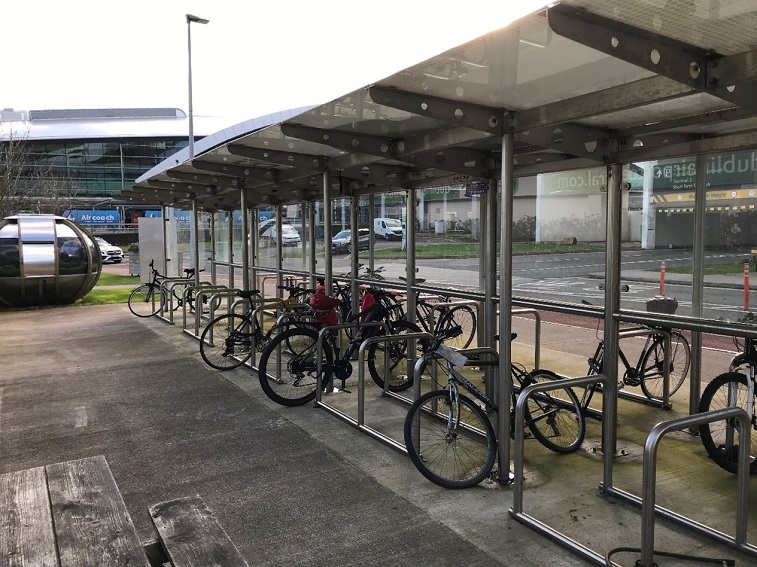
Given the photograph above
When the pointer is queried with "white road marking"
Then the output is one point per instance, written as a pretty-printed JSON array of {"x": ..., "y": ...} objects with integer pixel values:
[{"x": 81, "y": 417}]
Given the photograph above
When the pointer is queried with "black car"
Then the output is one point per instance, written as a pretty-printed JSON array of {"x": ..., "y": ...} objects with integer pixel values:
[{"x": 343, "y": 239}]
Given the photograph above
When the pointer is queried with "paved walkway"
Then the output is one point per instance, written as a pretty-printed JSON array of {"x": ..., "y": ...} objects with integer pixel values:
[{"x": 297, "y": 486}]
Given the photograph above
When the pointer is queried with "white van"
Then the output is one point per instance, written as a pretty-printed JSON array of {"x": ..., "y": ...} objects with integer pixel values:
[{"x": 387, "y": 228}]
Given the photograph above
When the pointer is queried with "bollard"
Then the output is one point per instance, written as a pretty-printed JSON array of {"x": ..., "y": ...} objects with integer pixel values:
[
  {"x": 746, "y": 286},
  {"x": 662, "y": 278}
]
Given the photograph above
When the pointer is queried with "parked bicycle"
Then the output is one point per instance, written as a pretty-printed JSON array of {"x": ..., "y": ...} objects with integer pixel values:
[
  {"x": 434, "y": 316},
  {"x": 734, "y": 388},
  {"x": 150, "y": 298},
  {"x": 288, "y": 368},
  {"x": 229, "y": 340},
  {"x": 649, "y": 371},
  {"x": 449, "y": 436}
]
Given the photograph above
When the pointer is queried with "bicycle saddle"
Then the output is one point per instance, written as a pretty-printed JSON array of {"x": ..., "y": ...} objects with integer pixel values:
[
  {"x": 248, "y": 293},
  {"x": 513, "y": 336}
]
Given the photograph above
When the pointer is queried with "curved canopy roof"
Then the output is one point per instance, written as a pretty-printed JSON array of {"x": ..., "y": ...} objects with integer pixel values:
[{"x": 584, "y": 83}]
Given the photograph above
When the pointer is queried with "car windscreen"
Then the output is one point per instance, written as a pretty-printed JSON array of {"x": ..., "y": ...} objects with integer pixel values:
[{"x": 393, "y": 223}]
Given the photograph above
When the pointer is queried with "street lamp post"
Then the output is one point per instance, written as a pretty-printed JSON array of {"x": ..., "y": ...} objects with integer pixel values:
[{"x": 193, "y": 240}]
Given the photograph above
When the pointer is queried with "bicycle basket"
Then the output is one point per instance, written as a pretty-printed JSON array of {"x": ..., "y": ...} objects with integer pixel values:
[{"x": 662, "y": 304}]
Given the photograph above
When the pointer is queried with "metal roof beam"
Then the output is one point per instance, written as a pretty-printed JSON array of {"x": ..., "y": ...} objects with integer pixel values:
[
  {"x": 613, "y": 99},
  {"x": 729, "y": 78},
  {"x": 580, "y": 141},
  {"x": 460, "y": 113},
  {"x": 713, "y": 144},
  {"x": 219, "y": 181},
  {"x": 306, "y": 162}
]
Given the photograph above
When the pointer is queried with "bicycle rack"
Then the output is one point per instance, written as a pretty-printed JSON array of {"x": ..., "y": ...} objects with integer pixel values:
[
  {"x": 199, "y": 295},
  {"x": 516, "y": 511},
  {"x": 220, "y": 295},
  {"x": 537, "y": 331},
  {"x": 647, "y": 501},
  {"x": 664, "y": 403},
  {"x": 166, "y": 289},
  {"x": 261, "y": 306},
  {"x": 359, "y": 423}
]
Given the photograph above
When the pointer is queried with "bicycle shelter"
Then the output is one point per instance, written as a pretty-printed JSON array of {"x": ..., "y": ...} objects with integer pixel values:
[{"x": 587, "y": 105}]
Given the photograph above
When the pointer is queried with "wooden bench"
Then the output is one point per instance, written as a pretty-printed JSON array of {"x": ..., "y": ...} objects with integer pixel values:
[
  {"x": 75, "y": 507},
  {"x": 191, "y": 535},
  {"x": 73, "y": 515}
]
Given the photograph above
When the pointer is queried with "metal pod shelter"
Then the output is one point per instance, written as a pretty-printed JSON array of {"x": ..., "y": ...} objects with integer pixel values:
[{"x": 45, "y": 260}]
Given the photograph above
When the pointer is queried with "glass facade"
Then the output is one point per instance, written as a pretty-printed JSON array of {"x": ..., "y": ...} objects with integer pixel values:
[{"x": 99, "y": 168}]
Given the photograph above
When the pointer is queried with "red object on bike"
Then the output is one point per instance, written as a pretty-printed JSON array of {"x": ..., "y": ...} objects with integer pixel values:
[
  {"x": 366, "y": 303},
  {"x": 324, "y": 307}
]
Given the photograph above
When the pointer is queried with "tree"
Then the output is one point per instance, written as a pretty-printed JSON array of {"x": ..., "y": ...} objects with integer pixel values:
[{"x": 29, "y": 185}]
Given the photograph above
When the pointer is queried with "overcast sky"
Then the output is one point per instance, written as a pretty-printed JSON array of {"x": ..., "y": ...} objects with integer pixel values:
[{"x": 253, "y": 58}]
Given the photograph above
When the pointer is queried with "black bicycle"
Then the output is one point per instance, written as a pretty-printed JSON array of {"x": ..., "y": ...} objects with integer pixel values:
[
  {"x": 435, "y": 313},
  {"x": 149, "y": 298},
  {"x": 734, "y": 388},
  {"x": 649, "y": 370},
  {"x": 449, "y": 436},
  {"x": 229, "y": 340},
  {"x": 288, "y": 368}
]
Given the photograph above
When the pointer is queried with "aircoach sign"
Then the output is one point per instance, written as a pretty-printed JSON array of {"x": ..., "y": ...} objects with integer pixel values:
[{"x": 110, "y": 216}]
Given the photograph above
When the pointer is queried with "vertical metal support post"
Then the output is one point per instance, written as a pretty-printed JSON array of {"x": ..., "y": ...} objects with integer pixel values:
[
  {"x": 354, "y": 205},
  {"x": 196, "y": 264},
  {"x": 245, "y": 240},
  {"x": 505, "y": 382},
  {"x": 488, "y": 237},
  {"x": 213, "y": 247},
  {"x": 230, "y": 267},
  {"x": 372, "y": 237},
  {"x": 166, "y": 211},
  {"x": 327, "y": 228},
  {"x": 612, "y": 305},
  {"x": 279, "y": 248},
  {"x": 311, "y": 239},
  {"x": 410, "y": 254},
  {"x": 697, "y": 283}
]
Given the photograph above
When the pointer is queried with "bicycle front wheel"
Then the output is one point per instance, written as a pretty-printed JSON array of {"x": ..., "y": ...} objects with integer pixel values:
[
  {"x": 451, "y": 443},
  {"x": 554, "y": 417},
  {"x": 721, "y": 438},
  {"x": 145, "y": 300},
  {"x": 400, "y": 370},
  {"x": 461, "y": 316},
  {"x": 226, "y": 342},
  {"x": 288, "y": 367},
  {"x": 653, "y": 365}
]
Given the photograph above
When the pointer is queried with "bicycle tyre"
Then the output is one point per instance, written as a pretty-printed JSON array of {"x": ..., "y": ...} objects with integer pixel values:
[
  {"x": 452, "y": 459},
  {"x": 653, "y": 366},
  {"x": 462, "y": 316},
  {"x": 296, "y": 383},
  {"x": 715, "y": 434},
  {"x": 143, "y": 301},
  {"x": 400, "y": 375},
  {"x": 555, "y": 417},
  {"x": 226, "y": 342}
]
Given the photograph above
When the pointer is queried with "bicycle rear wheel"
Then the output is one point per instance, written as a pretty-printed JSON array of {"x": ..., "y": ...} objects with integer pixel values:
[
  {"x": 288, "y": 367},
  {"x": 462, "y": 316},
  {"x": 400, "y": 375},
  {"x": 451, "y": 444},
  {"x": 653, "y": 365},
  {"x": 721, "y": 438},
  {"x": 226, "y": 342},
  {"x": 144, "y": 301},
  {"x": 554, "y": 417}
]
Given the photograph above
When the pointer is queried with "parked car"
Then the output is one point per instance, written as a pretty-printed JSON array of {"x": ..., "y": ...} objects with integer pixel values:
[
  {"x": 343, "y": 240},
  {"x": 109, "y": 252},
  {"x": 289, "y": 234}
]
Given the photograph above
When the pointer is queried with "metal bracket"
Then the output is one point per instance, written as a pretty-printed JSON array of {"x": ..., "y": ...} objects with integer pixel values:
[
  {"x": 580, "y": 141},
  {"x": 474, "y": 116},
  {"x": 309, "y": 162},
  {"x": 729, "y": 78}
]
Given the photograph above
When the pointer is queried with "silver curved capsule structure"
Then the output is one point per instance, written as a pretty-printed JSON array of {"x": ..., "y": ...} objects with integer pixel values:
[{"x": 46, "y": 260}]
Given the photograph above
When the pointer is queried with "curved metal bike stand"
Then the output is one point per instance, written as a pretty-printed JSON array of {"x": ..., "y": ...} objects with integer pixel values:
[
  {"x": 608, "y": 430},
  {"x": 359, "y": 423},
  {"x": 647, "y": 501},
  {"x": 200, "y": 290},
  {"x": 663, "y": 403},
  {"x": 166, "y": 286},
  {"x": 537, "y": 331}
]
